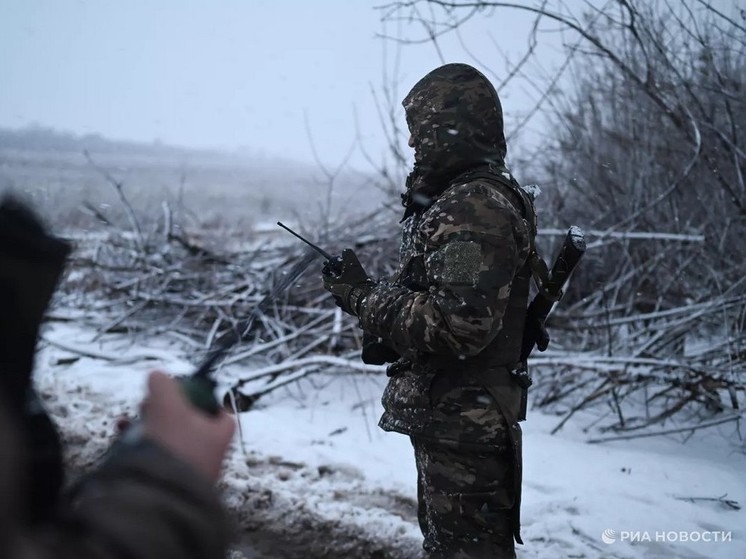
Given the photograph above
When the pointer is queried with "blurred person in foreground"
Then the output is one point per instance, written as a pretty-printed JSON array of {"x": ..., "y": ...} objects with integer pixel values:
[
  {"x": 452, "y": 317},
  {"x": 153, "y": 498}
]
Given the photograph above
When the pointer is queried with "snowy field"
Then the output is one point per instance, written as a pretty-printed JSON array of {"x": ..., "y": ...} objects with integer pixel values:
[{"x": 311, "y": 475}]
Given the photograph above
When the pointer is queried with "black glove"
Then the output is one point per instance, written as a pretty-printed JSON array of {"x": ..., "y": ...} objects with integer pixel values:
[
  {"x": 534, "y": 333},
  {"x": 347, "y": 281},
  {"x": 377, "y": 352}
]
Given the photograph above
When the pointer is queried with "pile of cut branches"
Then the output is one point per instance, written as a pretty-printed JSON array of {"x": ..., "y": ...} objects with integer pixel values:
[
  {"x": 641, "y": 370},
  {"x": 201, "y": 290},
  {"x": 638, "y": 372}
]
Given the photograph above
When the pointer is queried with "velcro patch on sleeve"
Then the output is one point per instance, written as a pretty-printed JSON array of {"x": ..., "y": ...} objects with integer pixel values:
[{"x": 457, "y": 262}]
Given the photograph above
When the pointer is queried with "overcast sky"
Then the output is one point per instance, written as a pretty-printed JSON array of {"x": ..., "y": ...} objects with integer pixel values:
[{"x": 224, "y": 73}]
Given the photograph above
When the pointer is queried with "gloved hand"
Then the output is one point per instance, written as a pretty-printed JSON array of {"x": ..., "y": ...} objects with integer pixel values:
[
  {"x": 377, "y": 352},
  {"x": 347, "y": 281},
  {"x": 534, "y": 333}
]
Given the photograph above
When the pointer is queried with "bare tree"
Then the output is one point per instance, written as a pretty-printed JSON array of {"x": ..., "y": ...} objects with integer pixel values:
[{"x": 647, "y": 136}]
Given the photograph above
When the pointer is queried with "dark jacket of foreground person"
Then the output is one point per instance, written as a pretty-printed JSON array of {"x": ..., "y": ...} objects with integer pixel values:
[
  {"x": 142, "y": 502},
  {"x": 145, "y": 503},
  {"x": 454, "y": 315}
]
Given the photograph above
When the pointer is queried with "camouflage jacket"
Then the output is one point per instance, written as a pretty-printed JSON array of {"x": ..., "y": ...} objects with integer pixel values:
[{"x": 456, "y": 307}]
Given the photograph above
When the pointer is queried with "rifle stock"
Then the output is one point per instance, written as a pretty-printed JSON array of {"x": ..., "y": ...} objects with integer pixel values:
[
  {"x": 534, "y": 333},
  {"x": 567, "y": 260}
]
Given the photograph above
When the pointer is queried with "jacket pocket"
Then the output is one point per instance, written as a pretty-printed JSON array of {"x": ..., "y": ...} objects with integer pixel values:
[{"x": 408, "y": 391}]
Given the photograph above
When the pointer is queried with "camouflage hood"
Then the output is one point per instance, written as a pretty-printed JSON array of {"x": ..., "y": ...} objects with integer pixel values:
[{"x": 455, "y": 117}]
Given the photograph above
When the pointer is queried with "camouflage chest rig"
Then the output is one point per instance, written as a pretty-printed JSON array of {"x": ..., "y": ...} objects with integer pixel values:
[
  {"x": 505, "y": 350},
  {"x": 498, "y": 367}
]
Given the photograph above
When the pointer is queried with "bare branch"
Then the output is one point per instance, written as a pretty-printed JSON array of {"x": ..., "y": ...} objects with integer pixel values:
[{"x": 119, "y": 187}]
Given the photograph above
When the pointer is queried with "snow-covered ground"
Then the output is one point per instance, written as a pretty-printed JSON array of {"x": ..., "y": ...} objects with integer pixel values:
[{"x": 312, "y": 475}]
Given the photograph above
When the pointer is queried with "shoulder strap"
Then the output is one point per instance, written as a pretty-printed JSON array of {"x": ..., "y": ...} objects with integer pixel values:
[{"x": 499, "y": 174}]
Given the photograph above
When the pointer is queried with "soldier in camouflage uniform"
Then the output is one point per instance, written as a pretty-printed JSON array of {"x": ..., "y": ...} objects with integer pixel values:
[{"x": 453, "y": 316}]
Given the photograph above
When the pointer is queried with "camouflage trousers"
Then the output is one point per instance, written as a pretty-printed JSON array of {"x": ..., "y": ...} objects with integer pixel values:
[{"x": 465, "y": 498}]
